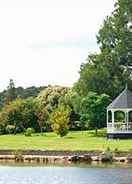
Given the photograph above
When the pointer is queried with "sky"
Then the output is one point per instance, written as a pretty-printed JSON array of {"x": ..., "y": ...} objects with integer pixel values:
[{"x": 44, "y": 42}]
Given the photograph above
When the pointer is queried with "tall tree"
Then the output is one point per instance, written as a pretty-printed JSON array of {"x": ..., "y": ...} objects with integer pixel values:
[
  {"x": 11, "y": 93},
  {"x": 108, "y": 71},
  {"x": 93, "y": 110}
]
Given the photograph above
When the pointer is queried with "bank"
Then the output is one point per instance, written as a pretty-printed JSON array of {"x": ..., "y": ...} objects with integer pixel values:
[{"x": 64, "y": 157}]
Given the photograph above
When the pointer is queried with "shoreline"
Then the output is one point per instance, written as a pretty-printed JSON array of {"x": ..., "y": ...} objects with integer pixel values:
[{"x": 65, "y": 157}]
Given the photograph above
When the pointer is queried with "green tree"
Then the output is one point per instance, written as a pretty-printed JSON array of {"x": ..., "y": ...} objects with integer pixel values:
[
  {"x": 30, "y": 118},
  {"x": 93, "y": 110},
  {"x": 21, "y": 114},
  {"x": 11, "y": 93},
  {"x": 43, "y": 116},
  {"x": 59, "y": 120},
  {"x": 51, "y": 95},
  {"x": 108, "y": 71},
  {"x": 72, "y": 100},
  {"x": 115, "y": 35},
  {"x": 10, "y": 115},
  {"x": 20, "y": 92}
]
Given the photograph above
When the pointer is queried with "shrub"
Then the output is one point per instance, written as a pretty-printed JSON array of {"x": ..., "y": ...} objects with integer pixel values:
[
  {"x": 107, "y": 156},
  {"x": 102, "y": 132},
  {"x": 29, "y": 132}
]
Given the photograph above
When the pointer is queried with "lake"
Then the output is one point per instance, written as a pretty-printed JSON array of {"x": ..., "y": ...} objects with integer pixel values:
[{"x": 64, "y": 175}]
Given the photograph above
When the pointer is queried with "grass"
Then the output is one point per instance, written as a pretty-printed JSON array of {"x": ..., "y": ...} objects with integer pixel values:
[{"x": 79, "y": 140}]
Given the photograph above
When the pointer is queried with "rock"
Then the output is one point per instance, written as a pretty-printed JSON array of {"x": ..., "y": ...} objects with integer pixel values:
[
  {"x": 95, "y": 158},
  {"x": 74, "y": 158},
  {"x": 86, "y": 158},
  {"x": 129, "y": 159}
]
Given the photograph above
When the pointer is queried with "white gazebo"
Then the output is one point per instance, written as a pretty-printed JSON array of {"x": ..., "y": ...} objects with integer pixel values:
[{"x": 120, "y": 126}]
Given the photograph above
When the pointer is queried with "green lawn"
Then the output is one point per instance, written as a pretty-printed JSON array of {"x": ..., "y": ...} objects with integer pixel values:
[{"x": 73, "y": 141}]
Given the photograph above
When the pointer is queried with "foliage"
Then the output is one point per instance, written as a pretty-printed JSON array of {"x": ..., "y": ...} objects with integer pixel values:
[
  {"x": 108, "y": 71},
  {"x": 32, "y": 91},
  {"x": 107, "y": 155},
  {"x": 51, "y": 96},
  {"x": 29, "y": 132},
  {"x": 11, "y": 114},
  {"x": 59, "y": 120},
  {"x": 29, "y": 117},
  {"x": 68, "y": 98},
  {"x": 84, "y": 122},
  {"x": 23, "y": 114},
  {"x": 72, "y": 100},
  {"x": 42, "y": 117},
  {"x": 11, "y": 92},
  {"x": 119, "y": 116},
  {"x": 93, "y": 109}
]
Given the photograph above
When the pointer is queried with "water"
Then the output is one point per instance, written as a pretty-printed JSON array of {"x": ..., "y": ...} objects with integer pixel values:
[{"x": 64, "y": 175}]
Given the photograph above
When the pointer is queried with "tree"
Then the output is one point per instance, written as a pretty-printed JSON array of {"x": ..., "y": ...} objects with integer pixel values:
[
  {"x": 10, "y": 115},
  {"x": 51, "y": 95},
  {"x": 93, "y": 110},
  {"x": 115, "y": 35},
  {"x": 107, "y": 72},
  {"x": 59, "y": 120},
  {"x": 20, "y": 92},
  {"x": 30, "y": 118},
  {"x": 72, "y": 100},
  {"x": 11, "y": 93},
  {"x": 43, "y": 116},
  {"x": 29, "y": 91},
  {"x": 21, "y": 114}
]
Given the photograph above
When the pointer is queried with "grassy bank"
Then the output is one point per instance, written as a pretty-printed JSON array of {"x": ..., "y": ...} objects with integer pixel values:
[{"x": 81, "y": 140}]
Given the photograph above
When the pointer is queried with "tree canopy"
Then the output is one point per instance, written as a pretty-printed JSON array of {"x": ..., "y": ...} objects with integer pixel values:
[{"x": 109, "y": 71}]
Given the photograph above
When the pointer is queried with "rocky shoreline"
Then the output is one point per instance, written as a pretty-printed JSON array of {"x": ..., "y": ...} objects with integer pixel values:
[{"x": 64, "y": 157}]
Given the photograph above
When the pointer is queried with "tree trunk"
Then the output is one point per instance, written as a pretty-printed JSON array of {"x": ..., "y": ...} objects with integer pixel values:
[
  {"x": 96, "y": 131},
  {"x": 41, "y": 130}
]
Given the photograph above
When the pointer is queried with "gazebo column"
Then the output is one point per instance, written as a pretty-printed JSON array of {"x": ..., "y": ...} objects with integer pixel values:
[
  {"x": 113, "y": 120},
  {"x": 107, "y": 117},
  {"x": 127, "y": 119}
]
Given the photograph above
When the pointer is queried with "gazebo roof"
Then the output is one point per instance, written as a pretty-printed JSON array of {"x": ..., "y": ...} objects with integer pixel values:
[{"x": 123, "y": 101}]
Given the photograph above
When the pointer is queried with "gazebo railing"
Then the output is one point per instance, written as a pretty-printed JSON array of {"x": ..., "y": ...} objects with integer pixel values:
[{"x": 120, "y": 127}]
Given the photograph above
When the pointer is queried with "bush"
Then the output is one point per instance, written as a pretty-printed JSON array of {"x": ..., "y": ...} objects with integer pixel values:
[
  {"x": 119, "y": 116},
  {"x": 102, "y": 132},
  {"x": 29, "y": 132},
  {"x": 107, "y": 155}
]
